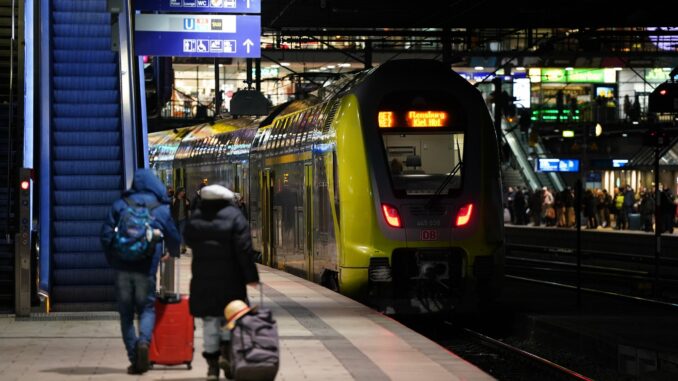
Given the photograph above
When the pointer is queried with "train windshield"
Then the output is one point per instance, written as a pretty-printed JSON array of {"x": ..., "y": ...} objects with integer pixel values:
[
  {"x": 420, "y": 162},
  {"x": 423, "y": 137}
]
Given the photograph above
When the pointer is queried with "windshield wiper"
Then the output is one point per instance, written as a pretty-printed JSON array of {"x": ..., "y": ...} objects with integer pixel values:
[{"x": 447, "y": 179}]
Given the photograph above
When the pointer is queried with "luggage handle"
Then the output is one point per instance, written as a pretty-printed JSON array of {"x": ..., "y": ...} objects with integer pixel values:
[{"x": 169, "y": 280}]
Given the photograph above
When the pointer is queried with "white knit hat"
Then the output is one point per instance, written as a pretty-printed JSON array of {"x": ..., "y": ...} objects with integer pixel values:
[{"x": 216, "y": 192}]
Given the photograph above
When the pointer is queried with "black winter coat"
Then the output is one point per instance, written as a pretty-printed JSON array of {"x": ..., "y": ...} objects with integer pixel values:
[{"x": 223, "y": 260}]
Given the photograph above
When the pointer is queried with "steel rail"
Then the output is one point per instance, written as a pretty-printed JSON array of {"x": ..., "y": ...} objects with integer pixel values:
[
  {"x": 596, "y": 292},
  {"x": 548, "y": 365}
]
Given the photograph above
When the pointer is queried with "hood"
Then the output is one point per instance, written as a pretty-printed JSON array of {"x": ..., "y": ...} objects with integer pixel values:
[
  {"x": 146, "y": 181},
  {"x": 216, "y": 192}
]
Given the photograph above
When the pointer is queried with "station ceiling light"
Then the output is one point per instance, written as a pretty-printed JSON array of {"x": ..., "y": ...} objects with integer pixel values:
[
  {"x": 286, "y": 64},
  {"x": 599, "y": 129}
]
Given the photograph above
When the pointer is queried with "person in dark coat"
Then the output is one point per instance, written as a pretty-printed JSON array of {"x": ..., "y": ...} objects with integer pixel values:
[
  {"x": 135, "y": 281},
  {"x": 668, "y": 210},
  {"x": 646, "y": 210},
  {"x": 222, "y": 267},
  {"x": 181, "y": 209}
]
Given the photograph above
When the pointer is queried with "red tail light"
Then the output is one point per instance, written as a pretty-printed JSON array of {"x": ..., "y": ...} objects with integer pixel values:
[
  {"x": 464, "y": 215},
  {"x": 391, "y": 215}
]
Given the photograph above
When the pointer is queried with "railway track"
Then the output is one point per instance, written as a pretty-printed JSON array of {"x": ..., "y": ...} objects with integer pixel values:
[
  {"x": 621, "y": 275},
  {"x": 504, "y": 361}
]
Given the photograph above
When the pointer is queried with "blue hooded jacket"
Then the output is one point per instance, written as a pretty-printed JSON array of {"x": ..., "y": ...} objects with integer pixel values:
[{"x": 146, "y": 189}]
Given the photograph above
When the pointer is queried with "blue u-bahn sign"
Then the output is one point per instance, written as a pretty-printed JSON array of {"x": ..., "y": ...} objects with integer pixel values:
[
  {"x": 192, "y": 35},
  {"x": 199, "y": 6}
]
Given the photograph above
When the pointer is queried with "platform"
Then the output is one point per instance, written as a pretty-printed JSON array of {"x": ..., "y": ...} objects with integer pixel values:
[{"x": 324, "y": 336}]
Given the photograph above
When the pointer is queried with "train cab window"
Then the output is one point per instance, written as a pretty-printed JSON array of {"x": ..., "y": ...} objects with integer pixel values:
[{"x": 423, "y": 141}]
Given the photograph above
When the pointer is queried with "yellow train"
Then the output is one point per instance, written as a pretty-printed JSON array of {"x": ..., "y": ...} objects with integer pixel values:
[{"x": 388, "y": 191}]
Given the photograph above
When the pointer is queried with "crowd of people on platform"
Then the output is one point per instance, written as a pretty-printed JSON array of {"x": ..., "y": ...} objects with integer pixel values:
[{"x": 624, "y": 209}]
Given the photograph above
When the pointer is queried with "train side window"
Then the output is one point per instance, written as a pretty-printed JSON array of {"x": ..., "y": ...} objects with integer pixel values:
[
  {"x": 303, "y": 122},
  {"x": 286, "y": 130},
  {"x": 277, "y": 226},
  {"x": 278, "y": 131},
  {"x": 299, "y": 228},
  {"x": 292, "y": 131},
  {"x": 272, "y": 135}
]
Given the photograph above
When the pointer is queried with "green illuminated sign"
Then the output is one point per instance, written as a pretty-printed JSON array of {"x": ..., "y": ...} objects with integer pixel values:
[
  {"x": 578, "y": 76},
  {"x": 551, "y": 115},
  {"x": 657, "y": 75}
]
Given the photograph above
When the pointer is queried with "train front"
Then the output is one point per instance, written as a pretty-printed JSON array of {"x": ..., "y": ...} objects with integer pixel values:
[{"x": 419, "y": 184}]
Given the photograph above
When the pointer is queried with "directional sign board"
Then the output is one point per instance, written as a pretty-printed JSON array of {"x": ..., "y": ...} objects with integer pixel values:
[
  {"x": 199, "y": 6},
  {"x": 191, "y": 35},
  {"x": 558, "y": 165}
]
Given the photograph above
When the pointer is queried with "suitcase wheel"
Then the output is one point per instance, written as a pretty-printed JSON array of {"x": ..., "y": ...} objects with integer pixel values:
[{"x": 189, "y": 366}]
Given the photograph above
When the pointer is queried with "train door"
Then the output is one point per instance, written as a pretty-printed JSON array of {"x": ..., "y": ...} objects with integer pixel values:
[
  {"x": 266, "y": 180},
  {"x": 308, "y": 219},
  {"x": 178, "y": 178}
]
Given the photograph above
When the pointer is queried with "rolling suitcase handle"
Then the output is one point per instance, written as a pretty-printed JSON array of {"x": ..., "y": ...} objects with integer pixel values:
[{"x": 169, "y": 280}]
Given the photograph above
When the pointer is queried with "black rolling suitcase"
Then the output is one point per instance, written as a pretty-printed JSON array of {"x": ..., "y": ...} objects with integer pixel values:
[{"x": 254, "y": 350}]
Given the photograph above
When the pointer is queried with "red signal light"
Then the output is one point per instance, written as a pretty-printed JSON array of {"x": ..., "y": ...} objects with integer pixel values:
[
  {"x": 25, "y": 184},
  {"x": 391, "y": 215},
  {"x": 662, "y": 92},
  {"x": 464, "y": 215}
]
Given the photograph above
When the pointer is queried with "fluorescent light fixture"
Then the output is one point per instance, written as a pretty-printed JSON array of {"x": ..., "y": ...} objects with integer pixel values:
[
  {"x": 599, "y": 129},
  {"x": 618, "y": 69},
  {"x": 331, "y": 66},
  {"x": 344, "y": 65},
  {"x": 624, "y": 135},
  {"x": 520, "y": 68},
  {"x": 286, "y": 64},
  {"x": 569, "y": 68},
  {"x": 635, "y": 122},
  {"x": 274, "y": 66},
  {"x": 479, "y": 68},
  {"x": 568, "y": 133}
]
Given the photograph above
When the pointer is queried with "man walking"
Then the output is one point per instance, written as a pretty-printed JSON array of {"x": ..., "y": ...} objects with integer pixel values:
[{"x": 144, "y": 209}]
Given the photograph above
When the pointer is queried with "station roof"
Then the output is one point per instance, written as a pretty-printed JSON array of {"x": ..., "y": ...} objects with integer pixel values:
[{"x": 466, "y": 14}]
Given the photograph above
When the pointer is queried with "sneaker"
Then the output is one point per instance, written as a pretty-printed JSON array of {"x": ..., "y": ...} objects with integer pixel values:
[
  {"x": 132, "y": 369},
  {"x": 142, "y": 364}
]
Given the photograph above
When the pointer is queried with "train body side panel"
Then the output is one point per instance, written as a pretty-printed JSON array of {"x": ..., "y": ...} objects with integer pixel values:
[{"x": 360, "y": 237}]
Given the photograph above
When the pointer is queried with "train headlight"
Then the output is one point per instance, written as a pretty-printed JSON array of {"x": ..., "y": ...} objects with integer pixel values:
[
  {"x": 464, "y": 215},
  {"x": 391, "y": 215}
]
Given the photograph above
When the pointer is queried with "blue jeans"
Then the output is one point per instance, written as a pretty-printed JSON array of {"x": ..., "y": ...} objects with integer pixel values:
[
  {"x": 214, "y": 333},
  {"x": 136, "y": 293}
]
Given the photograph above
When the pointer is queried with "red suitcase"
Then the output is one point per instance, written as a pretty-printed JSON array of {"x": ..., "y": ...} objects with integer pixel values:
[{"x": 172, "y": 341}]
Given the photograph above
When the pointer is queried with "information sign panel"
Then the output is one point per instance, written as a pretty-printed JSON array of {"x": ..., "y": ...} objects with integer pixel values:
[
  {"x": 199, "y": 6},
  {"x": 558, "y": 165},
  {"x": 186, "y": 35}
]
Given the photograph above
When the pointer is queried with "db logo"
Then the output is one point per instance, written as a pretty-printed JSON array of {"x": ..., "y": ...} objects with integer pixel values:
[{"x": 429, "y": 235}]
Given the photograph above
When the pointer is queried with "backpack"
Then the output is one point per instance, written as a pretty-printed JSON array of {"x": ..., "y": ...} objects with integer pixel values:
[{"x": 133, "y": 239}]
